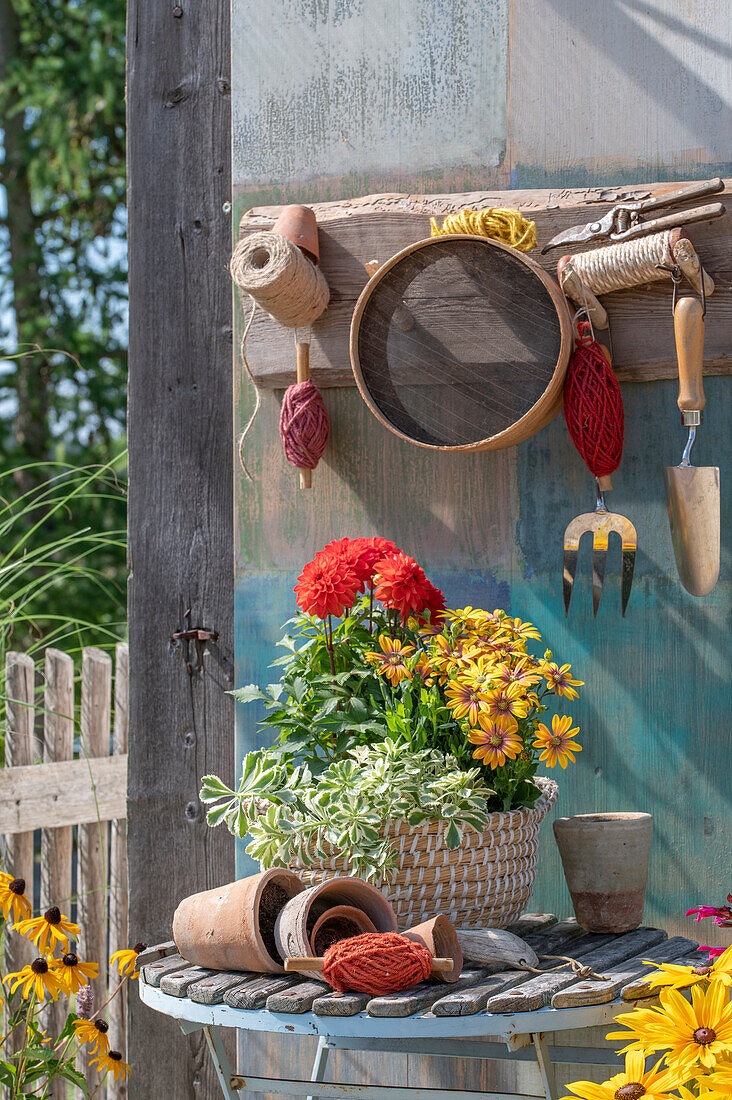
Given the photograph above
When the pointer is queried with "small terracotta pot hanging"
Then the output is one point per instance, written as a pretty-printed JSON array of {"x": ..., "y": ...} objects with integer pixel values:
[
  {"x": 232, "y": 927},
  {"x": 342, "y": 922},
  {"x": 438, "y": 935},
  {"x": 297, "y": 920}
]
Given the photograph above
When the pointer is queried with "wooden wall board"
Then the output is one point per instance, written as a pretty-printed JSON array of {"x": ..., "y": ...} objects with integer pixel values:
[
  {"x": 180, "y": 509},
  {"x": 354, "y": 231}
]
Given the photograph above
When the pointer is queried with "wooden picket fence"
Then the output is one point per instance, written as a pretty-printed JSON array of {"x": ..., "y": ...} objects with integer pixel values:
[{"x": 66, "y": 775}]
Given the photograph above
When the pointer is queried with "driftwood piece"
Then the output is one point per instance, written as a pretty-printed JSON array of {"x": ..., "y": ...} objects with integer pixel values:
[
  {"x": 178, "y": 983},
  {"x": 356, "y": 231},
  {"x": 157, "y": 952},
  {"x": 254, "y": 993},
  {"x": 485, "y": 946},
  {"x": 419, "y": 996},
  {"x": 341, "y": 1004},
  {"x": 153, "y": 973},
  {"x": 591, "y": 992},
  {"x": 538, "y": 992},
  {"x": 297, "y": 999},
  {"x": 210, "y": 991}
]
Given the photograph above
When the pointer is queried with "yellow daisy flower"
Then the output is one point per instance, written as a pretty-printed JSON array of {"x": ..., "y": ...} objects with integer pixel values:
[
  {"x": 392, "y": 661},
  {"x": 693, "y": 1035},
  {"x": 673, "y": 976},
  {"x": 464, "y": 700},
  {"x": 557, "y": 744},
  {"x": 126, "y": 960},
  {"x": 522, "y": 630},
  {"x": 72, "y": 973},
  {"x": 559, "y": 681},
  {"x": 720, "y": 1079},
  {"x": 447, "y": 655},
  {"x": 497, "y": 741},
  {"x": 93, "y": 1033},
  {"x": 111, "y": 1063},
  {"x": 37, "y": 977},
  {"x": 507, "y": 701},
  {"x": 482, "y": 673},
  {"x": 14, "y": 905},
  {"x": 522, "y": 672},
  {"x": 635, "y": 1082},
  {"x": 52, "y": 927}
]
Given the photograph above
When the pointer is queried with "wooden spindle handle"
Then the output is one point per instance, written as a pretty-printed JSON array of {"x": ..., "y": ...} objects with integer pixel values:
[
  {"x": 303, "y": 374},
  {"x": 689, "y": 332},
  {"x": 439, "y": 966}
]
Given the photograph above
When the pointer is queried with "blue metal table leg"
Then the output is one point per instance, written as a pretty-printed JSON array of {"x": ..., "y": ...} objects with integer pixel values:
[
  {"x": 321, "y": 1061},
  {"x": 220, "y": 1060},
  {"x": 545, "y": 1065}
]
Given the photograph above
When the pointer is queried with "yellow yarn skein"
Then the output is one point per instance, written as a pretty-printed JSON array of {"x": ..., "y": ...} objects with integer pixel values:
[{"x": 508, "y": 226}]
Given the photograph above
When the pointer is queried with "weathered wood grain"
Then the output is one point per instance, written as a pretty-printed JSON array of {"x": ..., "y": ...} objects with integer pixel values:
[
  {"x": 178, "y": 983},
  {"x": 537, "y": 992},
  {"x": 64, "y": 793},
  {"x": 153, "y": 973},
  {"x": 297, "y": 999},
  {"x": 532, "y": 922},
  {"x": 156, "y": 952},
  {"x": 420, "y": 996},
  {"x": 589, "y": 992},
  {"x": 378, "y": 226},
  {"x": 467, "y": 1002},
  {"x": 210, "y": 991},
  {"x": 118, "y": 896},
  {"x": 340, "y": 1004},
  {"x": 254, "y": 993},
  {"x": 181, "y": 498},
  {"x": 639, "y": 989}
]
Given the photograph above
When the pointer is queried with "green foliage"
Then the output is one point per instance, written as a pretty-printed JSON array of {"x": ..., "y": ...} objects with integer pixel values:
[{"x": 289, "y": 814}]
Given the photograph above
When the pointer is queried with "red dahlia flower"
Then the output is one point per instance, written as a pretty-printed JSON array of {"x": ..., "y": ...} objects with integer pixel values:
[
  {"x": 402, "y": 584},
  {"x": 362, "y": 555},
  {"x": 326, "y": 586}
]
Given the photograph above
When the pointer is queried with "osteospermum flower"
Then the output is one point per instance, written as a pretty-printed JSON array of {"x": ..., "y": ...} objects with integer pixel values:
[
  {"x": 447, "y": 656},
  {"x": 400, "y": 583},
  {"x": 392, "y": 661},
  {"x": 496, "y": 741},
  {"x": 93, "y": 1033},
  {"x": 522, "y": 672},
  {"x": 53, "y": 927},
  {"x": 483, "y": 672},
  {"x": 37, "y": 978},
  {"x": 72, "y": 973},
  {"x": 556, "y": 743},
  {"x": 507, "y": 701},
  {"x": 693, "y": 1035},
  {"x": 326, "y": 586},
  {"x": 111, "y": 1062},
  {"x": 14, "y": 905},
  {"x": 464, "y": 700},
  {"x": 522, "y": 630},
  {"x": 559, "y": 681},
  {"x": 126, "y": 960},
  {"x": 673, "y": 976},
  {"x": 632, "y": 1084}
]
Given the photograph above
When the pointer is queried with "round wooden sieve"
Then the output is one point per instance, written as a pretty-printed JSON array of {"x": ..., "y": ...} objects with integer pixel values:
[{"x": 460, "y": 343}]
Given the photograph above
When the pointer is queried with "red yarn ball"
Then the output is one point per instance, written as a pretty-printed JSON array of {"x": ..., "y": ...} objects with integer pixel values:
[
  {"x": 376, "y": 963},
  {"x": 593, "y": 406},
  {"x": 304, "y": 425}
]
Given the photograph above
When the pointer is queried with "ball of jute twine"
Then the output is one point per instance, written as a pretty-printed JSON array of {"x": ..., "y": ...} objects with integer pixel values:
[{"x": 291, "y": 289}]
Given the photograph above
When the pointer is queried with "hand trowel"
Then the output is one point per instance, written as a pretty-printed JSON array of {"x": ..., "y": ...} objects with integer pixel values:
[{"x": 692, "y": 492}]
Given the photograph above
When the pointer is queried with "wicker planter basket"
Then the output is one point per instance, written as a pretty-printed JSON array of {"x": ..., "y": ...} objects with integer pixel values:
[{"x": 485, "y": 882}]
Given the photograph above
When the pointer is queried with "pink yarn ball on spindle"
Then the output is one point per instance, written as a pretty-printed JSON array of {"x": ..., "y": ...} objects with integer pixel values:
[{"x": 304, "y": 425}]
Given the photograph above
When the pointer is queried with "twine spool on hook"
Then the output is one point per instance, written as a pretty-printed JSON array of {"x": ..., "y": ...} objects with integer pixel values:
[{"x": 278, "y": 272}]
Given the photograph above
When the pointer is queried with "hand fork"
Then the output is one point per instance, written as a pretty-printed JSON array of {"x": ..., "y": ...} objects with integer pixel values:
[{"x": 602, "y": 523}]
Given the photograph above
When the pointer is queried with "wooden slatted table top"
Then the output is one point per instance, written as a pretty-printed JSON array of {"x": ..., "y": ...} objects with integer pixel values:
[{"x": 489, "y": 991}]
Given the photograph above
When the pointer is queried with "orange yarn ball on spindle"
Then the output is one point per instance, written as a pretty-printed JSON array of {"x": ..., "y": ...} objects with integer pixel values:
[{"x": 376, "y": 963}]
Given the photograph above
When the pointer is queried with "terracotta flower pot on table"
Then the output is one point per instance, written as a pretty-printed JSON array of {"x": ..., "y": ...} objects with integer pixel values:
[{"x": 232, "y": 927}]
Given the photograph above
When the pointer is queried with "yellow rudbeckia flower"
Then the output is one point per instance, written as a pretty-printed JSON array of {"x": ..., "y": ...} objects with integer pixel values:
[
  {"x": 53, "y": 927},
  {"x": 632, "y": 1084},
  {"x": 674, "y": 976},
  {"x": 93, "y": 1033},
  {"x": 126, "y": 960},
  {"x": 37, "y": 978},
  {"x": 113, "y": 1063},
  {"x": 14, "y": 905},
  {"x": 72, "y": 973}
]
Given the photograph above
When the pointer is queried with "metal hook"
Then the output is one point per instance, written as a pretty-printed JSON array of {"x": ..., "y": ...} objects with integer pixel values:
[{"x": 676, "y": 277}]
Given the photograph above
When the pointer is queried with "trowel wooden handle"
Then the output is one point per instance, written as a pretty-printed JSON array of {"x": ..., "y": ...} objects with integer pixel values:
[
  {"x": 439, "y": 966},
  {"x": 303, "y": 374},
  {"x": 689, "y": 332}
]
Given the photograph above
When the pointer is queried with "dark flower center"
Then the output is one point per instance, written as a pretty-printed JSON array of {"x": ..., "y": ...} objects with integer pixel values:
[
  {"x": 704, "y": 1036},
  {"x": 39, "y": 966},
  {"x": 140, "y": 947},
  {"x": 495, "y": 740},
  {"x": 115, "y": 1056},
  {"x": 556, "y": 741},
  {"x": 632, "y": 1091},
  {"x": 17, "y": 886},
  {"x": 71, "y": 959},
  {"x": 53, "y": 915},
  {"x": 703, "y": 970},
  {"x": 100, "y": 1025}
]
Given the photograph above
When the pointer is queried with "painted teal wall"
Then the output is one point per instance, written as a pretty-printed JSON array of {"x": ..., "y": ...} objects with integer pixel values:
[{"x": 556, "y": 94}]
